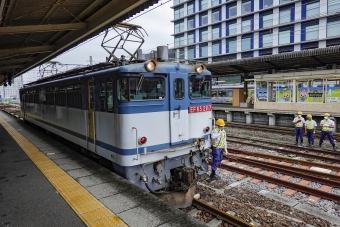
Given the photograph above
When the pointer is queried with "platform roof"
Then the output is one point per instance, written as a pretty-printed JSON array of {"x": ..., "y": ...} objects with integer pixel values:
[
  {"x": 320, "y": 57},
  {"x": 35, "y": 31}
]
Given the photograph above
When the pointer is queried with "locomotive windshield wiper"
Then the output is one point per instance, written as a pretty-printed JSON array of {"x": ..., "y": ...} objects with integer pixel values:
[{"x": 140, "y": 82}]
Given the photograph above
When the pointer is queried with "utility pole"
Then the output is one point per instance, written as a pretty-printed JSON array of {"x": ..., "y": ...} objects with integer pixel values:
[{"x": 90, "y": 60}]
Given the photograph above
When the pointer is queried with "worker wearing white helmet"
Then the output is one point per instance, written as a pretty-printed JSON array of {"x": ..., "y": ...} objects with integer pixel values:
[
  {"x": 219, "y": 145},
  {"x": 327, "y": 127},
  {"x": 310, "y": 128},
  {"x": 299, "y": 123}
]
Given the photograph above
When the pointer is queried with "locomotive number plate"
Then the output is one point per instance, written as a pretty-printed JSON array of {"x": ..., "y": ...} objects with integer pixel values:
[{"x": 196, "y": 109}]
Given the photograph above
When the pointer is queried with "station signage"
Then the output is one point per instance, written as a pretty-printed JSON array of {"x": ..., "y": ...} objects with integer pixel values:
[{"x": 196, "y": 109}]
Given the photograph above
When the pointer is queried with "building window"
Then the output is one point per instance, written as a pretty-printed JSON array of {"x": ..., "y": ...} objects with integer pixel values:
[
  {"x": 181, "y": 53},
  {"x": 203, "y": 4},
  {"x": 232, "y": 10},
  {"x": 204, "y": 50},
  {"x": 203, "y": 19},
  {"x": 215, "y": 16},
  {"x": 179, "y": 40},
  {"x": 216, "y": 48},
  {"x": 191, "y": 8},
  {"x": 179, "y": 26},
  {"x": 177, "y": 1},
  {"x": 284, "y": 36},
  {"x": 265, "y": 52},
  {"x": 285, "y": 15},
  {"x": 246, "y": 42},
  {"x": 179, "y": 12},
  {"x": 284, "y": 1},
  {"x": 233, "y": 29},
  {"x": 267, "y": 39},
  {"x": 203, "y": 34},
  {"x": 247, "y": 54},
  {"x": 215, "y": 2},
  {"x": 246, "y": 25},
  {"x": 216, "y": 31},
  {"x": 191, "y": 52},
  {"x": 312, "y": 32},
  {"x": 191, "y": 37},
  {"x": 333, "y": 28},
  {"x": 333, "y": 6},
  {"x": 191, "y": 23},
  {"x": 267, "y": 19},
  {"x": 231, "y": 45},
  {"x": 246, "y": 7},
  {"x": 312, "y": 9},
  {"x": 286, "y": 49},
  {"x": 267, "y": 3}
]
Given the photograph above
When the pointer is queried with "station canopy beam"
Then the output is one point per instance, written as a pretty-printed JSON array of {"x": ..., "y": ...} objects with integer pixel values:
[
  {"x": 283, "y": 61},
  {"x": 34, "y": 32},
  {"x": 41, "y": 28}
]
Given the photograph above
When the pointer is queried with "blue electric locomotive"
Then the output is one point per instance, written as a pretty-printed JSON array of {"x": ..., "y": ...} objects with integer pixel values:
[{"x": 152, "y": 120}]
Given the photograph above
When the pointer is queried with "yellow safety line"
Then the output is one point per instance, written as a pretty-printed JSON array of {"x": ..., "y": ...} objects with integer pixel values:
[{"x": 87, "y": 207}]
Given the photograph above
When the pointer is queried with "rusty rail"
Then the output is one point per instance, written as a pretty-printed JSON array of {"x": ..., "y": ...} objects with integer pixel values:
[
  {"x": 296, "y": 161},
  {"x": 286, "y": 145},
  {"x": 296, "y": 187},
  {"x": 221, "y": 214},
  {"x": 319, "y": 157},
  {"x": 324, "y": 178}
]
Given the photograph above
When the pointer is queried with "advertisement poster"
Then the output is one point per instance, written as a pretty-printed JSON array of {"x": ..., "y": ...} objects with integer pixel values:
[
  {"x": 333, "y": 94},
  {"x": 261, "y": 94},
  {"x": 284, "y": 94},
  {"x": 315, "y": 94}
]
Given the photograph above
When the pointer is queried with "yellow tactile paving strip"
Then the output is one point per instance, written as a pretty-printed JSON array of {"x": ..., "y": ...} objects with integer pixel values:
[{"x": 87, "y": 207}]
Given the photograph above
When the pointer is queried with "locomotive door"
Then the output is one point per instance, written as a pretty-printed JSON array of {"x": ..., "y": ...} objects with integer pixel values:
[
  {"x": 179, "y": 120},
  {"x": 91, "y": 106}
]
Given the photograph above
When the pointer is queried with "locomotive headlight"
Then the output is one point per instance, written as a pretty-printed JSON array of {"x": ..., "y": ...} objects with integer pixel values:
[
  {"x": 151, "y": 65},
  {"x": 199, "y": 68}
]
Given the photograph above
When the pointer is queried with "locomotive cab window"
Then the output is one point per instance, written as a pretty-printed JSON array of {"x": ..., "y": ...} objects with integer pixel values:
[
  {"x": 179, "y": 88},
  {"x": 143, "y": 88},
  {"x": 200, "y": 88}
]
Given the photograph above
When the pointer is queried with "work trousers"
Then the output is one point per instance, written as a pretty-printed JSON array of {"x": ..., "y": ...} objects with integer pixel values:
[
  {"x": 217, "y": 154},
  {"x": 310, "y": 135},
  {"x": 298, "y": 133},
  {"x": 329, "y": 135}
]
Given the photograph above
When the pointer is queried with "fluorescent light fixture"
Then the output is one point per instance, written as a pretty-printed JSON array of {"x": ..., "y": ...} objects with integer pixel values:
[
  {"x": 291, "y": 78},
  {"x": 336, "y": 75},
  {"x": 249, "y": 79}
]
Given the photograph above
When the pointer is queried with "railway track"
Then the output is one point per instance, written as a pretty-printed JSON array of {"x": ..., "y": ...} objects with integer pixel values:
[
  {"x": 334, "y": 159},
  {"x": 230, "y": 219},
  {"x": 273, "y": 129}
]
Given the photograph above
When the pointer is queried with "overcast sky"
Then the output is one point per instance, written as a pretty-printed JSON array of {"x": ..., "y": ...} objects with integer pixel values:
[{"x": 156, "y": 23}]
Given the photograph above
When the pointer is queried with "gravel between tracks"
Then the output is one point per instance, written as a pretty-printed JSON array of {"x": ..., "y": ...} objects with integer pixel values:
[{"x": 249, "y": 191}]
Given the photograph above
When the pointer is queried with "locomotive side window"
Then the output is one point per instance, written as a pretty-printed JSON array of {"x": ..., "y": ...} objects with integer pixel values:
[
  {"x": 60, "y": 96},
  {"x": 109, "y": 95},
  {"x": 200, "y": 88},
  {"x": 49, "y": 95},
  {"x": 179, "y": 88},
  {"x": 143, "y": 88},
  {"x": 122, "y": 89},
  {"x": 102, "y": 96},
  {"x": 74, "y": 96}
]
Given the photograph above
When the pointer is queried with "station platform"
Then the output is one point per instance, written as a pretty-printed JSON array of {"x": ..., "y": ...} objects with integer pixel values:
[{"x": 44, "y": 183}]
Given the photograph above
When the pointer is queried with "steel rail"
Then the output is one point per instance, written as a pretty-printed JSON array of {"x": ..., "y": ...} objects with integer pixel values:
[
  {"x": 221, "y": 214},
  {"x": 296, "y": 161},
  {"x": 334, "y": 160},
  {"x": 288, "y": 184},
  {"x": 287, "y": 145},
  {"x": 282, "y": 130},
  {"x": 333, "y": 180}
]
